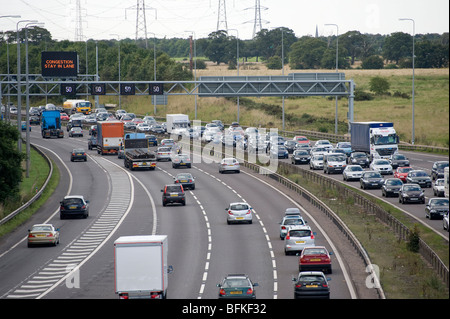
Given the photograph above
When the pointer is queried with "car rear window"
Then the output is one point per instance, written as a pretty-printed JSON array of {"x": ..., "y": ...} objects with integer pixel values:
[
  {"x": 72, "y": 201},
  {"x": 231, "y": 283},
  {"x": 300, "y": 233},
  {"x": 173, "y": 189},
  {"x": 239, "y": 207}
]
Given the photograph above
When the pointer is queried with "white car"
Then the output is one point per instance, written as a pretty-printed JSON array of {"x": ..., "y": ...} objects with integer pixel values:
[
  {"x": 323, "y": 143},
  {"x": 297, "y": 238},
  {"x": 352, "y": 172},
  {"x": 316, "y": 161},
  {"x": 229, "y": 164},
  {"x": 288, "y": 222},
  {"x": 445, "y": 222},
  {"x": 382, "y": 166},
  {"x": 439, "y": 187},
  {"x": 143, "y": 127},
  {"x": 239, "y": 212}
]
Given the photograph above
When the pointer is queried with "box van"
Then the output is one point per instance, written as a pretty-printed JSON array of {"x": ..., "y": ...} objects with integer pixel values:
[{"x": 334, "y": 163}]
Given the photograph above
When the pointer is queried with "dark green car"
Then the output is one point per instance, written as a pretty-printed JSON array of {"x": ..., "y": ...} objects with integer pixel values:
[{"x": 237, "y": 286}]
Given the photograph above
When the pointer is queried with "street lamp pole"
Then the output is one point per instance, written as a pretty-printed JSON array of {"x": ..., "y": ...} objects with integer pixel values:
[
  {"x": 337, "y": 67},
  {"x": 413, "y": 58}
]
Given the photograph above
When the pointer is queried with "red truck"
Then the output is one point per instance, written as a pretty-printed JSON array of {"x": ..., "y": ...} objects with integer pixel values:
[{"x": 109, "y": 137}]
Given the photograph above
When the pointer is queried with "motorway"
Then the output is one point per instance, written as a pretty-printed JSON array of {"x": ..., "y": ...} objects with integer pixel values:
[
  {"x": 202, "y": 247},
  {"x": 422, "y": 161}
]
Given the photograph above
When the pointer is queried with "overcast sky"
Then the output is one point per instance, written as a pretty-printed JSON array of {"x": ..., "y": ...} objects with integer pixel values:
[{"x": 106, "y": 19}]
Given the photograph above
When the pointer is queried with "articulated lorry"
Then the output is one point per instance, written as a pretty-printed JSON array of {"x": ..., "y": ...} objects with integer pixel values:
[
  {"x": 51, "y": 124},
  {"x": 376, "y": 139},
  {"x": 109, "y": 137},
  {"x": 136, "y": 153},
  {"x": 140, "y": 267}
]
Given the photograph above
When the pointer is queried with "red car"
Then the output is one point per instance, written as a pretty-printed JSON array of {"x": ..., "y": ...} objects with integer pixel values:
[
  {"x": 315, "y": 258},
  {"x": 402, "y": 172},
  {"x": 302, "y": 140},
  {"x": 64, "y": 117}
]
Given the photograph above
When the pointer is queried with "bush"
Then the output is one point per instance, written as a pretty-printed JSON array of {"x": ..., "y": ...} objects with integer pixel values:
[
  {"x": 413, "y": 243},
  {"x": 274, "y": 63},
  {"x": 361, "y": 95},
  {"x": 379, "y": 85},
  {"x": 373, "y": 62}
]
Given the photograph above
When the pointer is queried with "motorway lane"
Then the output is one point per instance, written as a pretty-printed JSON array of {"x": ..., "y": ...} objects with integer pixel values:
[
  {"x": 270, "y": 206},
  {"x": 418, "y": 161}
]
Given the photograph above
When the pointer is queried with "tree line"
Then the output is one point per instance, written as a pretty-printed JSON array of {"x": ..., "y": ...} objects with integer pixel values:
[{"x": 306, "y": 52}]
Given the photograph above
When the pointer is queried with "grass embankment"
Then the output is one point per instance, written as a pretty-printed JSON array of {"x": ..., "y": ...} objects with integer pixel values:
[
  {"x": 39, "y": 170},
  {"x": 404, "y": 274}
]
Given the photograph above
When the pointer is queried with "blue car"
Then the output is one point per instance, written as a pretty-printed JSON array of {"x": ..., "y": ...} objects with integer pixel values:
[
  {"x": 152, "y": 140},
  {"x": 24, "y": 126}
]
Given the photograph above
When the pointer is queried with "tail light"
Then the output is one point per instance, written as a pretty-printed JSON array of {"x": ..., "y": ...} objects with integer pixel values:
[
  {"x": 190, "y": 181},
  {"x": 61, "y": 207},
  {"x": 83, "y": 207},
  {"x": 288, "y": 237},
  {"x": 249, "y": 211},
  {"x": 123, "y": 296},
  {"x": 312, "y": 235},
  {"x": 249, "y": 291},
  {"x": 229, "y": 212},
  {"x": 73, "y": 154},
  {"x": 222, "y": 292},
  {"x": 30, "y": 235},
  {"x": 283, "y": 227},
  {"x": 49, "y": 235},
  {"x": 298, "y": 286}
]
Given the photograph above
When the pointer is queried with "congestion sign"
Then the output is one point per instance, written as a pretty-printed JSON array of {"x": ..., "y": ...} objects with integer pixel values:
[{"x": 59, "y": 64}]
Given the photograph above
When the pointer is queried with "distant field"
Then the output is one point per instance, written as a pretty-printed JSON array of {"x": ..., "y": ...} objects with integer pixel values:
[{"x": 431, "y": 103}]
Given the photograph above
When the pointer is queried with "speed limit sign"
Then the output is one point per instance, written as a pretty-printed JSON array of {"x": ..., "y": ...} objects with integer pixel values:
[{"x": 156, "y": 89}]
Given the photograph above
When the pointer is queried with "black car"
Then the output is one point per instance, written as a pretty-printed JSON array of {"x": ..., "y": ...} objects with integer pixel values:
[
  {"x": 290, "y": 146},
  {"x": 78, "y": 154},
  {"x": 398, "y": 160},
  {"x": 311, "y": 284},
  {"x": 92, "y": 142},
  {"x": 371, "y": 179},
  {"x": 391, "y": 186},
  {"x": 173, "y": 193},
  {"x": 300, "y": 157},
  {"x": 35, "y": 120},
  {"x": 437, "y": 171},
  {"x": 436, "y": 208},
  {"x": 74, "y": 205},
  {"x": 185, "y": 179},
  {"x": 358, "y": 158},
  {"x": 237, "y": 286},
  {"x": 419, "y": 177},
  {"x": 411, "y": 193}
]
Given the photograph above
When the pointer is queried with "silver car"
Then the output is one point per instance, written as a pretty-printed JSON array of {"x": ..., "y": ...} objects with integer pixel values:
[
  {"x": 297, "y": 238},
  {"x": 239, "y": 212},
  {"x": 316, "y": 161},
  {"x": 229, "y": 164},
  {"x": 352, "y": 172},
  {"x": 163, "y": 153},
  {"x": 288, "y": 222}
]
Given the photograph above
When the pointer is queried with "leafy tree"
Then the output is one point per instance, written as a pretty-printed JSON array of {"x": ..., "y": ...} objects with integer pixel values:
[
  {"x": 274, "y": 63},
  {"x": 10, "y": 161},
  {"x": 354, "y": 42},
  {"x": 218, "y": 47},
  {"x": 373, "y": 62},
  {"x": 307, "y": 53},
  {"x": 398, "y": 45}
]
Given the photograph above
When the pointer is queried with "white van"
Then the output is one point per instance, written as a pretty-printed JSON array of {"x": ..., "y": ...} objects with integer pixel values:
[{"x": 334, "y": 163}]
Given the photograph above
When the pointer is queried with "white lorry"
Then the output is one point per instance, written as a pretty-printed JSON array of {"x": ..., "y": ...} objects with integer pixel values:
[
  {"x": 376, "y": 139},
  {"x": 177, "y": 123},
  {"x": 140, "y": 267}
]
